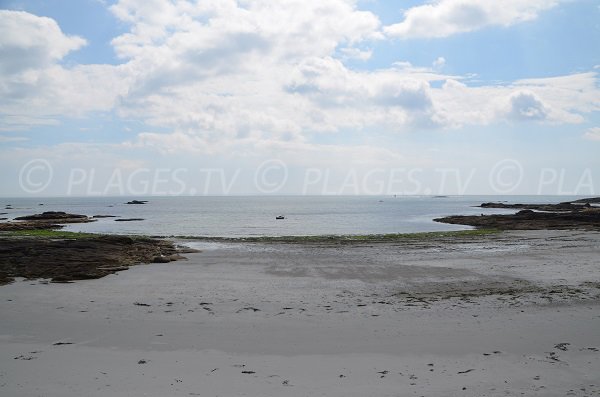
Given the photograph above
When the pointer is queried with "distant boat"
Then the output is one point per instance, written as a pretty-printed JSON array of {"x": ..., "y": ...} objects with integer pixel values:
[{"x": 280, "y": 217}]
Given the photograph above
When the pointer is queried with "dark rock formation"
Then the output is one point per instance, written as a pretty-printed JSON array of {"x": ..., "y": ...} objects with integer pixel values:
[
  {"x": 78, "y": 259},
  {"x": 137, "y": 202},
  {"x": 593, "y": 200},
  {"x": 47, "y": 220},
  {"x": 537, "y": 207},
  {"x": 56, "y": 217},
  {"x": 585, "y": 218},
  {"x": 27, "y": 225}
]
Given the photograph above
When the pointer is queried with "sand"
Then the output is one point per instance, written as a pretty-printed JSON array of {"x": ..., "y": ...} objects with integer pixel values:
[{"x": 516, "y": 313}]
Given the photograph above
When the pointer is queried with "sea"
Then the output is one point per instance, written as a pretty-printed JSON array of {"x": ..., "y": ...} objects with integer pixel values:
[{"x": 247, "y": 216}]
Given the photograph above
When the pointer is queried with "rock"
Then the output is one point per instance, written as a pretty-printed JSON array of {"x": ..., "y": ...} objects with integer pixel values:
[
  {"x": 5, "y": 278},
  {"x": 524, "y": 212},
  {"x": 78, "y": 259},
  {"x": 28, "y": 225},
  {"x": 114, "y": 269},
  {"x": 186, "y": 250},
  {"x": 550, "y": 217},
  {"x": 45, "y": 220},
  {"x": 176, "y": 257},
  {"x": 56, "y": 217},
  {"x": 104, "y": 216},
  {"x": 566, "y": 206},
  {"x": 137, "y": 202},
  {"x": 50, "y": 215},
  {"x": 593, "y": 200},
  {"x": 161, "y": 259},
  {"x": 129, "y": 220}
]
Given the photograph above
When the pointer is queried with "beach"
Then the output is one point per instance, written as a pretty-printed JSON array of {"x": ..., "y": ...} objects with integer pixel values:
[
  {"x": 507, "y": 313},
  {"x": 309, "y": 198}
]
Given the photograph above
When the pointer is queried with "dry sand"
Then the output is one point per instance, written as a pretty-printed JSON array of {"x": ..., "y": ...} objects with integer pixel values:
[{"x": 502, "y": 315}]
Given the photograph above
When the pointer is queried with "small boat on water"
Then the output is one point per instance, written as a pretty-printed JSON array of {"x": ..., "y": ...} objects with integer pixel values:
[{"x": 280, "y": 217}]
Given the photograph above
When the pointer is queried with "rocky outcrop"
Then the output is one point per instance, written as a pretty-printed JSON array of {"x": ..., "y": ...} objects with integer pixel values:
[
  {"x": 56, "y": 217},
  {"x": 585, "y": 218},
  {"x": 560, "y": 207},
  {"x": 46, "y": 220},
  {"x": 63, "y": 260},
  {"x": 577, "y": 205},
  {"x": 592, "y": 200},
  {"x": 138, "y": 202}
]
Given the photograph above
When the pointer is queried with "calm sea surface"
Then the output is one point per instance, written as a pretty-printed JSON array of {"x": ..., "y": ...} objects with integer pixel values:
[{"x": 235, "y": 216}]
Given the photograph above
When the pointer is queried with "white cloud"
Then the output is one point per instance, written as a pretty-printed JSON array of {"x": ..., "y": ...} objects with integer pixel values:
[
  {"x": 443, "y": 18},
  {"x": 439, "y": 63},
  {"x": 216, "y": 74},
  {"x": 562, "y": 99},
  {"x": 355, "y": 53},
  {"x": 34, "y": 88},
  {"x": 31, "y": 42},
  {"x": 592, "y": 134},
  {"x": 218, "y": 70},
  {"x": 4, "y": 138},
  {"x": 526, "y": 105}
]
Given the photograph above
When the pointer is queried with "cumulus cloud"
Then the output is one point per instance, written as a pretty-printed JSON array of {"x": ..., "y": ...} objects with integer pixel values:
[
  {"x": 215, "y": 74},
  {"x": 592, "y": 134},
  {"x": 568, "y": 96},
  {"x": 393, "y": 97},
  {"x": 447, "y": 17},
  {"x": 31, "y": 42},
  {"x": 525, "y": 105},
  {"x": 563, "y": 99},
  {"x": 35, "y": 88},
  {"x": 355, "y": 53}
]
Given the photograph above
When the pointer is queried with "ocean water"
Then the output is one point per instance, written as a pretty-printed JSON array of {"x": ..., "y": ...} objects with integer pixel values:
[{"x": 236, "y": 216}]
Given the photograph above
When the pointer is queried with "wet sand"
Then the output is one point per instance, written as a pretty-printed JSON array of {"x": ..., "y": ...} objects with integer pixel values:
[{"x": 515, "y": 313}]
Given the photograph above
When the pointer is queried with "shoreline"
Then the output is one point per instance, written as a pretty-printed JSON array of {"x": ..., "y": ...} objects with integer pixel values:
[
  {"x": 86, "y": 256},
  {"x": 63, "y": 257},
  {"x": 511, "y": 313},
  {"x": 33, "y": 245},
  {"x": 578, "y": 214},
  {"x": 482, "y": 312}
]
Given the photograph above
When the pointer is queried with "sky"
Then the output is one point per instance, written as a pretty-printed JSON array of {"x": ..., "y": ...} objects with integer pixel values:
[{"x": 218, "y": 97}]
